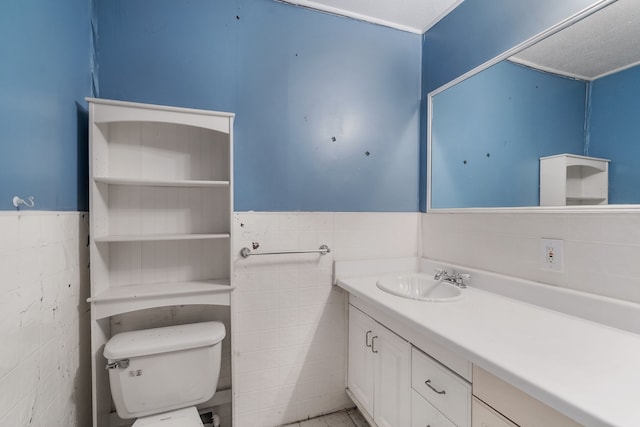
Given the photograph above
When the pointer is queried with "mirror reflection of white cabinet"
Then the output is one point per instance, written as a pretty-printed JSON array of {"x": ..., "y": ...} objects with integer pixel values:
[{"x": 572, "y": 180}]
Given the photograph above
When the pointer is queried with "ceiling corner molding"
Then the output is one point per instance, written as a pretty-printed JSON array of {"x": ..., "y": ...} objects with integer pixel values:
[
  {"x": 442, "y": 15},
  {"x": 354, "y": 15}
]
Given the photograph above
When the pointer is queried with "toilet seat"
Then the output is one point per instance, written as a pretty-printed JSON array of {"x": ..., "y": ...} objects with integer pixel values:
[{"x": 186, "y": 417}]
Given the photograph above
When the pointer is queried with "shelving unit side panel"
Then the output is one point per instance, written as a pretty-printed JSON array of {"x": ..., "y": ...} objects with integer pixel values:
[
  {"x": 99, "y": 267},
  {"x": 230, "y": 208},
  {"x": 101, "y": 405},
  {"x": 98, "y": 205},
  {"x": 99, "y": 199},
  {"x": 553, "y": 178},
  {"x": 98, "y": 150}
]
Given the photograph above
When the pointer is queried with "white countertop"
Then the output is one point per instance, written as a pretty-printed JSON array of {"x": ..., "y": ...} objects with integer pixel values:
[{"x": 587, "y": 371}]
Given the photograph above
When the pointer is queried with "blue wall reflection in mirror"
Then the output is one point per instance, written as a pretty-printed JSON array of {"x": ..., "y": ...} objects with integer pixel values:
[
  {"x": 613, "y": 129},
  {"x": 489, "y": 131}
]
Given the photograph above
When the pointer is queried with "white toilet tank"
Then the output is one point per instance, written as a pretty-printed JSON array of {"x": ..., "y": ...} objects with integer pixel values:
[{"x": 162, "y": 369}]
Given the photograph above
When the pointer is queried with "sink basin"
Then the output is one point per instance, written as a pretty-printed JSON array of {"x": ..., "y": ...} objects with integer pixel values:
[{"x": 419, "y": 286}]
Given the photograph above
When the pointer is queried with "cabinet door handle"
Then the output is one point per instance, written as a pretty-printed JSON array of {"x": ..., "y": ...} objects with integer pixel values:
[
  {"x": 366, "y": 339},
  {"x": 428, "y": 384},
  {"x": 373, "y": 348}
]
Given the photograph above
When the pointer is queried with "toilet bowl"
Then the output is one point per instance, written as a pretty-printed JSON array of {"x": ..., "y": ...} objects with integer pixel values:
[{"x": 159, "y": 375}]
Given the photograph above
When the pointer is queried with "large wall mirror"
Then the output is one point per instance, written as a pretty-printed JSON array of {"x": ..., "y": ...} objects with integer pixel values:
[{"x": 572, "y": 99}]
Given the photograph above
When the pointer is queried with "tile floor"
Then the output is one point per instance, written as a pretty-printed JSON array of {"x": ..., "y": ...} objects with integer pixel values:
[{"x": 346, "y": 418}]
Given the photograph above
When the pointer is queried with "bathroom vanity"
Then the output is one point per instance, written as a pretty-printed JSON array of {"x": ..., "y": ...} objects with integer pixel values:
[{"x": 486, "y": 359}]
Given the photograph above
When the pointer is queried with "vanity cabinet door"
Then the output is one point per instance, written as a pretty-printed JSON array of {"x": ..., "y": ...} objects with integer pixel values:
[
  {"x": 379, "y": 375},
  {"x": 392, "y": 379},
  {"x": 360, "y": 368}
]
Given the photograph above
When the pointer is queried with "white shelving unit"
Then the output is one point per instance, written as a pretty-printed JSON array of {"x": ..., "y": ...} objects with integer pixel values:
[
  {"x": 161, "y": 200},
  {"x": 569, "y": 179}
]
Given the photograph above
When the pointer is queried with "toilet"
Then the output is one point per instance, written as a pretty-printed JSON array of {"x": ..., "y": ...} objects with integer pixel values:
[{"x": 158, "y": 375}]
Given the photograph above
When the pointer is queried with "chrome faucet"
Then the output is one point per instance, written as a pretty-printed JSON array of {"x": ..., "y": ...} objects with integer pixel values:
[{"x": 454, "y": 278}]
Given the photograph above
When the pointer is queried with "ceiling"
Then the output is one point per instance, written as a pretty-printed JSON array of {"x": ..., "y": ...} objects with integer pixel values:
[
  {"x": 414, "y": 16},
  {"x": 603, "y": 43}
]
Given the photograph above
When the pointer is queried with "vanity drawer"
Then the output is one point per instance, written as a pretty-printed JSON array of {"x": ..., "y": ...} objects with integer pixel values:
[
  {"x": 425, "y": 415},
  {"x": 447, "y": 392}
]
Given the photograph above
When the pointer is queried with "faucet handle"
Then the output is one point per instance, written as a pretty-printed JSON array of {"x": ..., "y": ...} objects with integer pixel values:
[
  {"x": 439, "y": 273},
  {"x": 461, "y": 278}
]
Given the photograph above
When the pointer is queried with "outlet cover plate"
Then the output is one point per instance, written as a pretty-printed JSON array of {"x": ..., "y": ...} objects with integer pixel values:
[{"x": 552, "y": 255}]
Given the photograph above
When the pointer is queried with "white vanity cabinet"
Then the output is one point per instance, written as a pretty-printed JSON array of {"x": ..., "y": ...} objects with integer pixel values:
[
  {"x": 379, "y": 365},
  {"x": 161, "y": 199},
  {"x": 569, "y": 179}
]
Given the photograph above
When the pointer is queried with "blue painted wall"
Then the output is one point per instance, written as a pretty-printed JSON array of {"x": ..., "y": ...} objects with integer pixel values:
[
  {"x": 44, "y": 77},
  {"x": 327, "y": 107},
  {"x": 613, "y": 132},
  {"x": 479, "y": 164},
  {"x": 296, "y": 78},
  {"x": 472, "y": 34}
]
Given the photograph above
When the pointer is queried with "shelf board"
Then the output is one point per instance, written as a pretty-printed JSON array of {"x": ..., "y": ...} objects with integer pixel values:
[
  {"x": 159, "y": 237},
  {"x": 160, "y": 183},
  {"x": 123, "y": 299}
]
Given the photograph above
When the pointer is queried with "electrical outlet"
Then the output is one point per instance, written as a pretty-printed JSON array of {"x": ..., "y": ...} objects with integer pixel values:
[{"x": 551, "y": 254}]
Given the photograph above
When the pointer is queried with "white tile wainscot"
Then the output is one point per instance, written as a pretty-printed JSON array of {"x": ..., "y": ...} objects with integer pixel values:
[
  {"x": 45, "y": 365},
  {"x": 289, "y": 322},
  {"x": 601, "y": 250},
  {"x": 585, "y": 370}
]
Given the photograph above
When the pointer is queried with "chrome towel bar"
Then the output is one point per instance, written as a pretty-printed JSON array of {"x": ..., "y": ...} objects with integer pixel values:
[{"x": 323, "y": 250}]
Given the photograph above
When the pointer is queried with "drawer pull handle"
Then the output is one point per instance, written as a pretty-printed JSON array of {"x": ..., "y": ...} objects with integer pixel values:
[
  {"x": 366, "y": 339},
  {"x": 373, "y": 340},
  {"x": 428, "y": 384}
]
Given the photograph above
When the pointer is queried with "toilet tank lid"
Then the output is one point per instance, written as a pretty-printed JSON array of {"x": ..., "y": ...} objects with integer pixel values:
[{"x": 163, "y": 340}]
